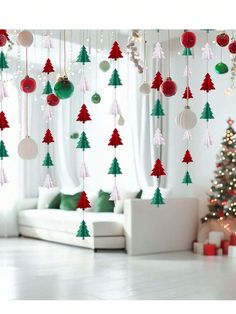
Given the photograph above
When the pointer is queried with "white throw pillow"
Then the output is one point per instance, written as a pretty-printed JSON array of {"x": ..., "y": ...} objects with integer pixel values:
[
  {"x": 46, "y": 196},
  {"x": 149, "y": 191},
  {"x": 124, "y": 195}
]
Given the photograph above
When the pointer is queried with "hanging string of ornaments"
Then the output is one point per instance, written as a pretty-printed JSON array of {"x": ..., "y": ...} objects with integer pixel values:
[
  {"x": 27, "y": 148},
  {"x": 158, "y": 112},
  {"x": 83, "y": 144},
  {"x": 207, "y": 86},
  {"x": 115, "y": 140},
  {"x": 188, "y": 41},
  {"x": 96, "y": 98},
  {"x": 4, "y": 38},
  {"x": 222, "y": 40},
  {"x": 145, "y": 87},
  {"x": 51, "y": 100}
]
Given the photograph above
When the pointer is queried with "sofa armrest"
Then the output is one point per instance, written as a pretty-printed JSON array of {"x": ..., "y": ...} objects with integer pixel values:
[
  {"x": 150, "y": 229},
  {"x": 26, "y": 203}
]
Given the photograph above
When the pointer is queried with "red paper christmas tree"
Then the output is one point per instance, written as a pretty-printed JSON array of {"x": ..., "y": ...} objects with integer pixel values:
[
  {"x": 157, "y": 81},
  {"x": 115, "y": 139},
  {"x": 83, "y": 201},
  {"x": 48, "y": 68},
  {"x": 207, "y": 84},
  {"x": 115, "y": 52},
  {"x": 187, "y": 157},
  {"x": 187, "y": 93},
  {"x": 3, "y": 121},
  {"x": 4, "y": 32},
  {"x": 158, "y": 169},
  {"x": 48, "y": 138},
  {"x": 83, "y": 115}
]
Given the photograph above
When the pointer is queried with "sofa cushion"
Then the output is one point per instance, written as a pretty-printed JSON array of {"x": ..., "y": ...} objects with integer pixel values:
[
  {"x": 99, "y": 224},
  {"x": 55, "y": 203},
  {"x": 102, "y": 203},
  {"x": 69, "y": 202},
  {"x": 46, "y": 196},
  {"x": 125, "y": 195}
]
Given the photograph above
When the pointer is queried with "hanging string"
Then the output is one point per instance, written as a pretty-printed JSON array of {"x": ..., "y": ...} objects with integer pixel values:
[
  {"x": 26, "y": 97},
  {"x": 96, "y": 60},
  {"x": 60, "y": 41},
  {"x": 64, "y": 33},
  {"x": 144, "y": 56},
  {"x": 168, "y": 51}
]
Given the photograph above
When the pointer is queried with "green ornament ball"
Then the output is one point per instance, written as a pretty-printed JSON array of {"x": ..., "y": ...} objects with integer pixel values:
[
  {"x": 63, "y": 88},
  {"x": 221, "y": 68},
  {"x": 96, "y": 98},
  {"x": 104, "y": 65}
]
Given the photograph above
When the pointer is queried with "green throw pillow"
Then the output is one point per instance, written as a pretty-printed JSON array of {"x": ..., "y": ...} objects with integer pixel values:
[
  {"x": 102, "y": 203},
  {"x": 139, "y": 194},
  {"x": 69, "y": 202},
  {"x": 55, "y": 203}
]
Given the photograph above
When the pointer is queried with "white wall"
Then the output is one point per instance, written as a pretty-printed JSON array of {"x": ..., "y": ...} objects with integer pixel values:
[{"x": 223, "y": 106}]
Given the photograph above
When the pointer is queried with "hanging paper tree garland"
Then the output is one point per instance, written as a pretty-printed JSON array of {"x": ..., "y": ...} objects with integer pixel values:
[
  {"x": 115, "y": 139},
  {"x": 188, "y": 40},
  {"x": 3, "y": 120},
  {"x": 27, "y": 148},
  {"x": 83, "y": 144},
  {"x": 48, "y": 137},
  {"x": 157, "y": 111},
  {"x": 222, "y": 40},
  {"x": 207, "y": 86},
  {"x": 96, "y": 98},
  {"x": 145, "y": 87}
]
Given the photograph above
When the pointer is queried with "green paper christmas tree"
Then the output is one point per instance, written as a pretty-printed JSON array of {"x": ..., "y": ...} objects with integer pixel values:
[
  {"x": 3, "y": 61},
  {"x": 207, "y": 113},
  {"x": 157, "y": 198},
  {"x": 115, "y": 79},
  {"x": 157, "y": 109},
  {"x": 187, "y": 179},
  {"x": 83, "y": 141},
  {"x": 47, "y": 161},
  {"x": 3, "y": 151},
  {"x": 83, "y": 230},
  {"x": 187, "y": 52},
  {"x": 114, "y": 168},
  {"x": 47, "y": 89},
  {"x": 83, "y": 56}
]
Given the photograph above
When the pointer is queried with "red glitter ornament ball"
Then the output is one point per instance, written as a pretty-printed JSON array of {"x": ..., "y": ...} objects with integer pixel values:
[
  {"x": 222, "y": 39},
  {"x": 52, "y": 100},
  {"x": 188, "y": 39},
  {"x": 168, "y": 87},
  {"x": 232, "y": 47},
  {"x": 3, "y": 40},
  {"x": 28, "y": 85}
]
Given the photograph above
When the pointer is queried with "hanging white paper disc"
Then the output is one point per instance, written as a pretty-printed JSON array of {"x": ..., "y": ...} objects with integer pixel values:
[{"x": 28, "y": 148}]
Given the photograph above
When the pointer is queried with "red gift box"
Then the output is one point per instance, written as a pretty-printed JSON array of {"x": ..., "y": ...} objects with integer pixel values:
[
  {"x": 225, "y": 246},
  {"x": 233, "y": 239},
  {"x": 209, "y": 249}
]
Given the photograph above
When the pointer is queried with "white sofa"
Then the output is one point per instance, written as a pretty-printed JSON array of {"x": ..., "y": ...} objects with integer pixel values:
[{"x": 142, "y": 229}]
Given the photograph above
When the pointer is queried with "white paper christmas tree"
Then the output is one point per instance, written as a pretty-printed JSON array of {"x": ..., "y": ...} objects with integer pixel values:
[
  {"x": 3, "y": 91},
  {"x": 187, "y": 72},
  {"x": 48, "y": 183},
  {"x": 115, "y": 109},
  {"x": 83, "y": 84},
  {"x": 187, "y": 136},
  {"x": 158, "y": 139},
  {"x": 114, "y": 196},
  {"x": 3, "y": 178},
  {"x": 207, "y": 53},
  {"x": 158, "y": 52},
  {"x": 84, "y": 171},
  {"x": 207, "y": 140},
  {"x": 47, "y": 42}
]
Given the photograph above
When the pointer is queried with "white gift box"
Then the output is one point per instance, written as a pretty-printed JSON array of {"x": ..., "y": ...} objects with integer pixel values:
[
  {"x": 198, "y": 248},
  {"x": 215, "y": 237},
  {"x": 232, "y": 251}
]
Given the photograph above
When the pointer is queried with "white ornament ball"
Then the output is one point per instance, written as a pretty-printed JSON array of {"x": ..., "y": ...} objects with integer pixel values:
[
  {"x": 187, "y": 119},
  {"x": 25, "y": 38},
  {"x": 104, "y": 65},
  {"x": 121, "y": 120},
  {"x": 145, "y": 88},
  {"x": 28, "y": 148}
]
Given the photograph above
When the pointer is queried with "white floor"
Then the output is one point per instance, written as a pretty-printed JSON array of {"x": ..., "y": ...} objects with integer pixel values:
[{"x": 32, "y": 269}]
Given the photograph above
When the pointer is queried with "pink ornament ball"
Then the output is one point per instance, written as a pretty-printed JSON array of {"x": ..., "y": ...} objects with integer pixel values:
[
  {"x": 52, "y": 100},
  {"x": 168, "y": 87},
  {"x": 3, "y": 40},
  {"x": 188, "y": 39},
  {"x": 28, "y": 85}
]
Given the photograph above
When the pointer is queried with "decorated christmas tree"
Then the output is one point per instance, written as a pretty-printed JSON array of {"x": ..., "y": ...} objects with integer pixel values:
[
  {"x": 207, "y": 112},
  {"x": 157, "y": 81},
  {"x": 157, "y": 109},
  {"x": 83, "y": 115},
  {"x": 48, "y": 68},
  {"x": 83, "y": 55},
  {"x": 222, "y": 195},
  {"x": 83, "y": 141},
  {"x": 48, "y": 138},
  {"x": 115, "y": 79},
  {"x": 115, "y": 52},
  {"x": 3, "y": 61},
  {"x": 115, "y": 139},
  {"x": 3, "y": 121},
  {"x": 47, "y": 89},
  {"x": 3, "y": 151},
  {"x": 83, "y": 231},
  {"x": 115, "y": 167},
  {"x": 47, "y": 162}
]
